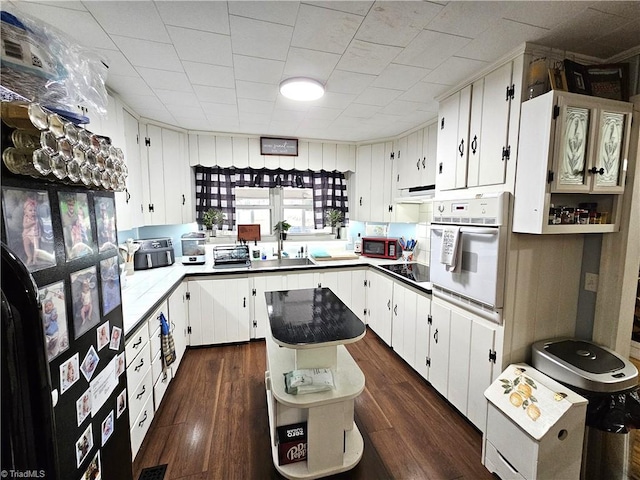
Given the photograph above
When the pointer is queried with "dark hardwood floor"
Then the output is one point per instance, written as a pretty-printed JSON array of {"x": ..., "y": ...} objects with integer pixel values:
[{"x": 213, "y": 423}]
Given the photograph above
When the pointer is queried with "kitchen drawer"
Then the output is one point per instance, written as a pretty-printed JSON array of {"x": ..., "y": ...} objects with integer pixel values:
[
  {"x": 497, "y": 464},
  {"x": 153, "y": 320},
  {"x": 139, "y": 396},
  {"x": 139, "y": 368},
  {"x": 140, "y": 425},
  {"x": 160, "y": 387},
  {"x": 512, "y": 443},
  {"x": 135, "y": 344},
  {"x": 155, "y": 341},
  {"x": 156, "y": 367}
]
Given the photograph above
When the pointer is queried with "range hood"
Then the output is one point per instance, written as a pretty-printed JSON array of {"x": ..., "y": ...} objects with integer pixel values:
[{"x": 416, "y": 194}]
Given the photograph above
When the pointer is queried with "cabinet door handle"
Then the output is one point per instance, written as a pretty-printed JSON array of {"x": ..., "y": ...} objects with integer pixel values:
[
  {"x": 594, "y": 170},
  {"x": 418, "y": 164},
  {"x": 244, "y": 302},
  {"x": 442, "y": 124},
  {"x": 144, "y": 389},
  {"x": 395, "y": 310},
  {"x": 424, "y": 160},
  {"x": 127, "y": 195},
  {"x": 474, "y": 144},
  {"x": 435, "y": 336},
  {"x": 389, "y": 304},
  {"x": 144, "y": 419},
  {"x": 360, "y": 201},
  {"x": 137, "y": 368},
  {"x": 135, "y": 345},
  {"x": 183, "y": 199},
  {"x": 151, "y": 207},
  {"x": 164, "y": 378},
  {"x": 461, "y": 147}
]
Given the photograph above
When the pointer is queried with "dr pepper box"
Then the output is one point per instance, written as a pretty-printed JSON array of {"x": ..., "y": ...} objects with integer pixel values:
[{"x": 292, "y": 443}]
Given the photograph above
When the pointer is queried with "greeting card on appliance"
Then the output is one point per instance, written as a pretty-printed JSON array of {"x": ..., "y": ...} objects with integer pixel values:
[{"x": 103, "y": 385}]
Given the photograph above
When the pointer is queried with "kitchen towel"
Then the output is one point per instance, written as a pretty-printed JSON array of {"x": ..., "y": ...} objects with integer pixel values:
[
  {"x": 449, "y": 248},
  {"x": 168, "y": 346}
]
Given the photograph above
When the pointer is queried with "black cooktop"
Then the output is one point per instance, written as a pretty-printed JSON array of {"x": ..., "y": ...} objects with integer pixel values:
[{"x": 411, "y": 270}]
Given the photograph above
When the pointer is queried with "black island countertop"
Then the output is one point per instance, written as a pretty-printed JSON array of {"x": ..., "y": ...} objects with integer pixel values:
[{"x": 311, "y": 317}]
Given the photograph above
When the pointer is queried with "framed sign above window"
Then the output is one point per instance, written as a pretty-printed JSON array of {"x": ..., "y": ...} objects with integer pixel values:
[{"x": 279, "y": 146}]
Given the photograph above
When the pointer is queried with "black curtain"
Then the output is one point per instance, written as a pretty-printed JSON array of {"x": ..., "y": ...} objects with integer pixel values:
[{"x": 215, "y": 188}]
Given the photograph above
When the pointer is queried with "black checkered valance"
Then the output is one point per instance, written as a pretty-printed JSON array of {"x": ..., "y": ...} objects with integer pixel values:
[{"x": 215, "y": 188}]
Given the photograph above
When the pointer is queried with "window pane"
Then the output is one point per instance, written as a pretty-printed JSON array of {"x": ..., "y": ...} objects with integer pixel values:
[
  {"x": 301, "y": 219},
  {"x": 297, "y": 196},
  {"x": 252, "y": 196},
  {"x": 259, "y": 216}
]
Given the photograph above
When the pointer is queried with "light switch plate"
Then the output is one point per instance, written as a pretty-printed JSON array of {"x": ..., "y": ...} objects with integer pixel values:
[{"x": 591, "y": 282}]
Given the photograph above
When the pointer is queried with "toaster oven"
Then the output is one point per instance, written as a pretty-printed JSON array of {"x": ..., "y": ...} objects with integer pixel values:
[{"x": 381, "y": 247}]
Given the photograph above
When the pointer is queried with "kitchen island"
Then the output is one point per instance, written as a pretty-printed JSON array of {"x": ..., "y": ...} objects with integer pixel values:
[{"x": 309, "y": 328}]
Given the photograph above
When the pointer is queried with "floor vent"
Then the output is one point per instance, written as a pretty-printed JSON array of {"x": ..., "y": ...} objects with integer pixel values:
[{"x": 153, "y": 473}]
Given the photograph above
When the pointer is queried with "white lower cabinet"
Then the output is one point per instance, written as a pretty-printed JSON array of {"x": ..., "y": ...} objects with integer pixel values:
[
  {"x": 461, "y": 359},
  {"x": 140, "y": 424},
  {"x": 380, "y": 296},
  {"x": 348, "y": 285},
  {"x": 267, "y": 282},
  {"x": 219, "y": 310},
  {"x": 404, "y": 317},
  {"x": 177, "y": 305}
]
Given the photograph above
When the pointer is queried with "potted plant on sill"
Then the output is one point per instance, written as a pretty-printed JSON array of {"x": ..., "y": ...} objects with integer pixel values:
[
  {"x": 282, "y": 228},
  {"x": 334, "y": 217},
  {"x": 211, "y": 217}
]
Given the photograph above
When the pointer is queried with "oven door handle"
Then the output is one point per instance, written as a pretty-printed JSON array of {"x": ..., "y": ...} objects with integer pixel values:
[{"x": 474, "y": 230}]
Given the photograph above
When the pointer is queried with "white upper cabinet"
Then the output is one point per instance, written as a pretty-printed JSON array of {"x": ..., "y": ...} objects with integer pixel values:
[
  {"x": 362, "y": 200},
  {"x": 477, "y": 131},
  {"x": 131, "y": 210},
  {"x": 453, "y": 140},
  {"x": 573, "y": 151},
  {"x": 166, "y": 187}
]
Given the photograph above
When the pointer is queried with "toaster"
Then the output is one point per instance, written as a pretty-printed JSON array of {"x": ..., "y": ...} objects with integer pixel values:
[{"x": 153, "y": 253}]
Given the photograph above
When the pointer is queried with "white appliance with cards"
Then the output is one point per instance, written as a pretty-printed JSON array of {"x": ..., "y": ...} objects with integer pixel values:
[{"x": 468, "y": 247}]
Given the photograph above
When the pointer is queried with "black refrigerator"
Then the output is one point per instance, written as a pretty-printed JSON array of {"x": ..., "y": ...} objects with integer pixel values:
[{"x": 64, "y": 389}]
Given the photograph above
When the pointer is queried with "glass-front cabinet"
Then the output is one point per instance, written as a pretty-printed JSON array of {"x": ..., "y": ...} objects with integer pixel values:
[
  {"x": 572, "y": 163},
  {"x": 592, "y": 138}
]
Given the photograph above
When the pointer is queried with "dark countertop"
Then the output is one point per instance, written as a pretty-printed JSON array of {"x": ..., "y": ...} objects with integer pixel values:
[{"x": 311, "y": 317}]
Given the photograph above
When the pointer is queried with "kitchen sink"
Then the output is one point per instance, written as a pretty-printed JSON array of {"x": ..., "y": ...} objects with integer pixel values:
[{"x": 282, "y": 262}]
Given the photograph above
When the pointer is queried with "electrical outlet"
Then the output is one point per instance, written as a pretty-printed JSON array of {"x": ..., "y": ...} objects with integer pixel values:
[{"x": 591, "y": 282}]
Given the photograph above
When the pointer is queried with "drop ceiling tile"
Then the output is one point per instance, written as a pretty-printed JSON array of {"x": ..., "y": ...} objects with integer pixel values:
[
  {"x": 210, "y": 75},
  {"x": 158, "y": 114},
  {"x": 289, "y": 115},
  {"x": 145, "y": 103},
  {"x": 220, "y": 109},
  {"x": 189, "y": 122},
  {"x": 400, "y": 77},
  {"x": 255, "y": 117},
  {"x": 377, "y": 96},
  {"x": 334, "y": 100},
  {"x": 454, "y": 70},
  {"x": 206, "y": 16},
  {"x": 626, "y": 10},
  {"x": 186, "y": 111},
  {"x": 252, "y": 128},
  {"x": 422, "y": 92},
  {"x": 172, "y": 98},
  {"x": 143, "y": 53},
  {"x": 117, "y": 62},
  {"x": 360, "y": 111},
  {"x": 256, "y": 91},
  {"x": 341, "y": 81},
  {"x": 130, "y": 19},
  {"x": 247, "y": 105},
  {"x": 494, "y": 43},
  {"x": 322, "y": 113},
  {"x": 619, "y": 40},
  {"x": 315, "y": 124},
  {"x": 467, "y": 19},
  {"x": 429, "y": 49},
  {"x": 324, "y": 30},
  {"x": 365, "y": 57},
  {"x": 310, "y": 63},
  {"x": 215, "y": 94},
  {"x": 127, "y": 86},
  {"x": 260, "y": 39},
  {"x": 257, "y": 69},
  {"x": 359, "y": 8},
  {"x": 214, "y": 116},
  {"x": 396, "y": 23},
  {"x": 543, "y": 14},
  {"x": 399, "y": 107},
  {"x": 78, "y": 24},
  {"x": 275, "y": 12},
  {"x": 177, "y": 81},
  {"x": 203, "y": 47}
]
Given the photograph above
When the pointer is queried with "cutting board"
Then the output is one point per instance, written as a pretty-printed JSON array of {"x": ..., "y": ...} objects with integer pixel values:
[{"x": 334, "y": 257}]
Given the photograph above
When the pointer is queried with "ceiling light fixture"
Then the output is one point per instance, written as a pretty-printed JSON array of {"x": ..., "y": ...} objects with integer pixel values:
[{"x": 302, "y": 89}]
